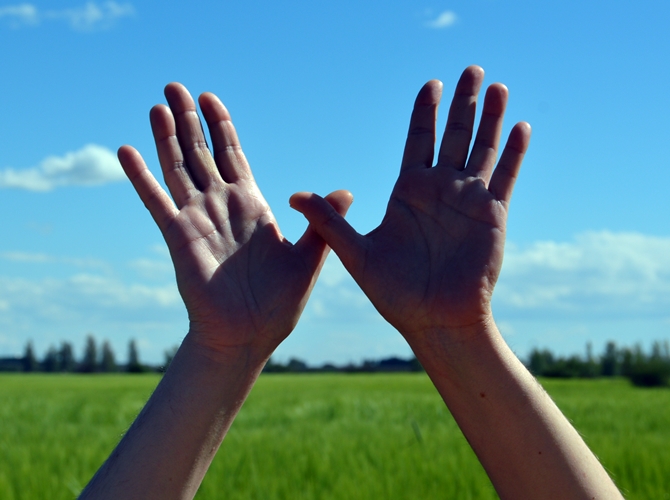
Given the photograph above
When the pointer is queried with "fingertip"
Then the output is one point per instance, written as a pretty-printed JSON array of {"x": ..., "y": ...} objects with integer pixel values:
[
  {"x": 520, "y": 136},
  {"x": 473, "y": 74},
  {"x": 127, "y": 154},
  {"x": 208, "y": 97},
  {"x": 173, "y": 88},
  {"x": 124, "y": 151},
  {"x": 470, "y": 81},
  {"x": 212, "y": 107},
  {"x": 158, "y": 113},
  {"x": 340, "y": 200},
  {"x": 524, "y": 127},
  {"x": 474, "y": 71},
  {"x": 179, "y": 98},
  {"x": 499, "y": 88},
  {"x": 496, "y": 98},
  {"x": 430, "y": 93},
  {"x": 297, "y": 200}
]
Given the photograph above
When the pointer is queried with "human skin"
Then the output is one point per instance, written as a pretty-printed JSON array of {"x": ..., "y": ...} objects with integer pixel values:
[
  {"x": 244, "y": 286},
  {"x": 430, "y": 269}
]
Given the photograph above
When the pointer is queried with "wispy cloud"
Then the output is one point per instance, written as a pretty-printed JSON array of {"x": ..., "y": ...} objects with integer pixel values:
[
  {"x": 443, "y": 20},
  {"x": 89, "y": 17},
  {"x": 91, "y": 165},
  {"x": 43, "y": 258},
  {"x": 336, "y": 296},
  {"x": 97, "y": 297},
  {"x": 85, "y": 295},
  {"x": 23, "y": 14},
  {"x": 596, "y": 273}
]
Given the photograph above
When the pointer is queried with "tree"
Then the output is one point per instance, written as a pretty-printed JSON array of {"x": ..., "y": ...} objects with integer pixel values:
[
  {"x": 50, "y": 361},
  {"x": 107, "y": 359},
  {"x": 89, "y": 361},
  {"x": 590, "y": 367},
  {"x": 609, "y": 363},
  {"x": 134, "y": 365},
  {"x": 539, "y": 362},
  {"x": 29, "y": 360},
  {"x": 66, "y": 357},
  {"x": 296, "y": 365}
]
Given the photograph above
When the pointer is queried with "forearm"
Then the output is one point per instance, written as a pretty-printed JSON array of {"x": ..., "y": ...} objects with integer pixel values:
[
  {"x": 528, "y": 448},
  {"x": 169, "y": 447}
]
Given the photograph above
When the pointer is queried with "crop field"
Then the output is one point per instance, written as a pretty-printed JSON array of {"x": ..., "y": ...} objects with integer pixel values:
[{"x": 317, "y": 437}]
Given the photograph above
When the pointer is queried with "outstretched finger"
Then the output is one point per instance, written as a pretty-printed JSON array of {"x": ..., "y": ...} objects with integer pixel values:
[
  {"x": 485, "y": 150},
  {"x": 311, "y": 246},
  {"x": 157, "y": 201},
  {"x": 458, "y": 132},
  {"x": 191, "y": 137},
  {"x": 505, "y": 174},
  {"x": 228, "y": 154},
  {"x": 420, "y": 144},
  {"x": 331, "y": 226},
  {"x": 176, "y": 175}
]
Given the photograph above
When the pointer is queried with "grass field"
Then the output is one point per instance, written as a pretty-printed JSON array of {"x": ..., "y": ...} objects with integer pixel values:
[{"x": 317, "y": 437}]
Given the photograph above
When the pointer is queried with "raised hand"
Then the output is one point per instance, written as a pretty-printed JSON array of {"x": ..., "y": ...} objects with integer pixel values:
[
  {"x": 244, "y": 285},
  {"x": 430, "y": 269},
  {"x": 434, "y": 260}
]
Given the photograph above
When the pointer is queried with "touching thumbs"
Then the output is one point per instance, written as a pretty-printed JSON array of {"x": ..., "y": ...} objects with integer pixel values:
[{"x": 324, "y": 218}]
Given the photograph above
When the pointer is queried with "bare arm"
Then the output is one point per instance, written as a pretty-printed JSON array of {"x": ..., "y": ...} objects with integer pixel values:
[
  {"x": 244, "y": 287},
  {"x": 430, "y": 269}
]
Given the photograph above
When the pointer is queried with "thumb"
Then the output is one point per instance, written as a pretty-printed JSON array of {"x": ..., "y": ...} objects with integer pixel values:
[{"x": 324, "y": 218}]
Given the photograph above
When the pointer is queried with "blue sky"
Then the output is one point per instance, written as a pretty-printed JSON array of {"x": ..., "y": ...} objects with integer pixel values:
[{"x": 321, "y": 94}]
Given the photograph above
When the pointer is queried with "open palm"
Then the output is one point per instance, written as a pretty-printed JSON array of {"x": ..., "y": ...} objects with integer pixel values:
[
  {"x": 243, "y": 284},
  {"x": 434, "y": 260}
]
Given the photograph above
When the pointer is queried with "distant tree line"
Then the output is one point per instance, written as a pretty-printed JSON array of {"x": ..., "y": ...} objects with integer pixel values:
[
  {"x": 642, "y": 368},
  {"x": 94, "y": 359},
  {"x": 392, "y": 364}
]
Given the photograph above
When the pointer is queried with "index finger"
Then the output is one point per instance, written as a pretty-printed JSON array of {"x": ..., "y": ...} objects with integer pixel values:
[
  {"x": 505, "y": 174},
  {"x": 420, "y": 144}
]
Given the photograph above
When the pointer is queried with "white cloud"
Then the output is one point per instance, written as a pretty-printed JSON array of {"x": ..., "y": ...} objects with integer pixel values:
[
  {"x": 444, "y": 20},
  {"x": 153, "y": 269},
  {"x": 44, "y": 299},
  {"x": 596, "y": 273},
  {"x": 89, "y": 17},
  {"x": 82, "y": 297},
  {"x": 89, "y": 166},
  {"x": 20, "y": 14},
  {"x": 333, "y": 272},
  {"x": 42, "y": 258},
  {"x": 109, "y": 292},
  {"x": 336, "y": 296},
  {"x": 92, "y": 16}
]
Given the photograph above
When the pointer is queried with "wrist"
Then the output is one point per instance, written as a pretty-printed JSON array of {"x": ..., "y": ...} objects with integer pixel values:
[
  {"x": 214, "y": 347},
  {"x": 453, "y": 352}
]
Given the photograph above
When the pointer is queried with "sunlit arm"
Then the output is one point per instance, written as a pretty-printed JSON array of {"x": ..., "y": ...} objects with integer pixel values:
[
  {"x": 244, "y": 286},
  {"x": 168, "y": 449},
  {"x": 526, "y": 445},
  {"x": 430, "y": 269}
]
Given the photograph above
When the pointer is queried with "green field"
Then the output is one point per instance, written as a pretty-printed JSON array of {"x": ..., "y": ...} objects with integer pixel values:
[{"x": 317, "y": 436}]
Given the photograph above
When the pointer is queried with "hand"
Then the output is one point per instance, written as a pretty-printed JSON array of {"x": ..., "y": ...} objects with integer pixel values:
[
  {"x": 434, "y": 260},
  {"x": 244, "y": 285}
]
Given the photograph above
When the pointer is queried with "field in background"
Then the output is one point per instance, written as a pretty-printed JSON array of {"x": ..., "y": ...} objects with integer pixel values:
[{"x": 317, "y": 436}]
